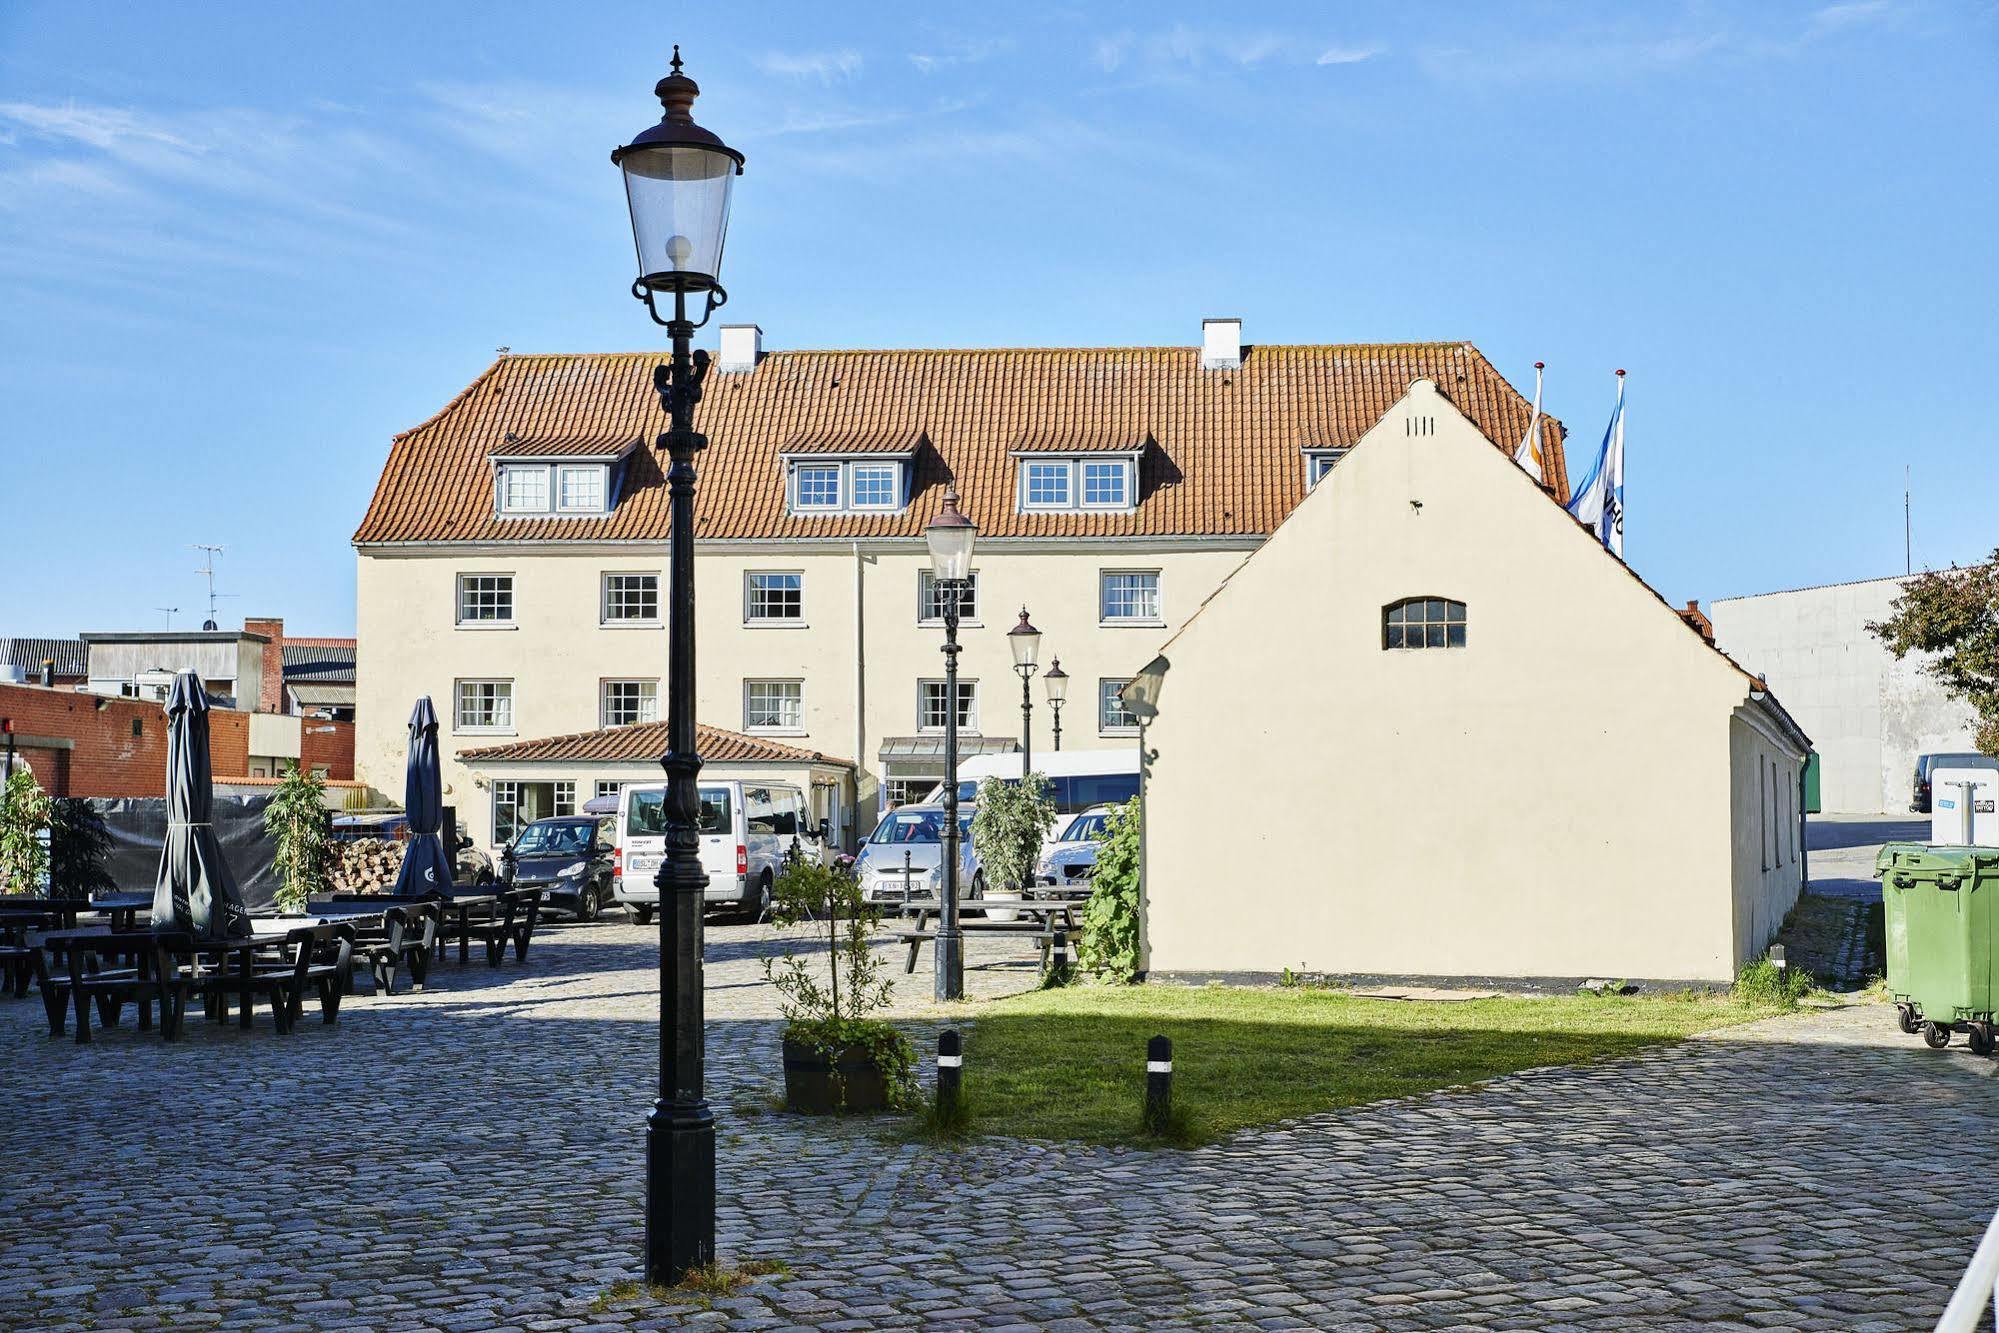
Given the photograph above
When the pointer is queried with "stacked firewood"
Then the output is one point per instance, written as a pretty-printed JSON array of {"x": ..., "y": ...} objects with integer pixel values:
[{"x": 366, "y": 865}]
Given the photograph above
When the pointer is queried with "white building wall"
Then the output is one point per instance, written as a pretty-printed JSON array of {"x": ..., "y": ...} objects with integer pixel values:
[{"x": 1868, "y": 715}]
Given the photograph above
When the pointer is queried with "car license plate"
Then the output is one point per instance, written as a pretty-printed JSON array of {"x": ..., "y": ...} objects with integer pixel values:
[{"x": 645, "y": 862}]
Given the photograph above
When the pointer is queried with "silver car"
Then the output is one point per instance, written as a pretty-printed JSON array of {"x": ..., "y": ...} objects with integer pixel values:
[
  {"x": 1067, "y": 862},
  {"x": 910, "y": 838}
]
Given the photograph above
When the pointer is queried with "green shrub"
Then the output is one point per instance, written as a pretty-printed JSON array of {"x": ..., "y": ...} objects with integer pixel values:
[
  {"x": 1109, "y": 947},
  {"x": 24, "y": 820},
  {"x": 1008, "y": 827},
  {"x": 1764, "y": 983},
  {"x": 297, "y": 818},
  {"x": 79, "y": 846}
]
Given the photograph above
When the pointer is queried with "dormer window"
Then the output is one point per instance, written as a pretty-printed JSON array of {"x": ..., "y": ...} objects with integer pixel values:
[
  {"x": 835, "y": 473},
  {"x": 1062, "y": 473},
  {"x": 573, "y": 478},
  {"x": 1318, "y": 462}
]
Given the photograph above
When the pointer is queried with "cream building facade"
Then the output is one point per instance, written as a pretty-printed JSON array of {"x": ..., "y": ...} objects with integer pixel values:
[
  {"x": 1566, "y": 780},
  {"x": 512, "y": 564}
]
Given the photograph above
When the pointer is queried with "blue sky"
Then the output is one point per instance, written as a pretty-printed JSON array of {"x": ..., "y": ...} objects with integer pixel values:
[{"x": 242, "y": 245}]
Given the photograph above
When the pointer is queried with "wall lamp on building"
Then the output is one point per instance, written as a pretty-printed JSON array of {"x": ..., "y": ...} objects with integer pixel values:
[
  {"x": 950, "y": 537},
  {"x": 677, "y": 182},
  {"x": 1025, "y": 640},
  {"x": 1056, "y": 681}
]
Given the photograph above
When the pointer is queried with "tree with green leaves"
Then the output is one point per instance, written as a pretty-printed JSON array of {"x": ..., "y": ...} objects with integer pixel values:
[
  {"x": 1008, "y": 827},
  {"x": 1954, "y": 614},
  {"x": 24, "y": 825},
  {"x": 297, "y": 818},
  {"x": 1109, "y": 947},
  {"x": 79, "y": 848}
]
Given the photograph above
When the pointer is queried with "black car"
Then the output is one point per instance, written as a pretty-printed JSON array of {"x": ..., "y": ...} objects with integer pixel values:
[
  {"x": 568, "y": 857},
  {"x": 469, "y": 864},
  {"x": 1929, "y": 763}
]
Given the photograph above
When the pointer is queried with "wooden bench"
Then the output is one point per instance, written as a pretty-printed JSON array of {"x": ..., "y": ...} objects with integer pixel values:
[
  {"x": 1050, "y": 938},
  {"x": 154, "y": 976},
  {"x": 512, "y": 922},
  {"x": 407, "y": 937}
]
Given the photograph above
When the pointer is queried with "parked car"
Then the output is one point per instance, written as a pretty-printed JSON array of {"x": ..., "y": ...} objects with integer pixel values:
[
  {"x": 569, "y": 858},
  {"x": 747, "y": 828},
  {"x": 913, "y": 836},
  {"x": 470, "y": 865},
  {"x": 1928, "y": 764},
  {"x": 1068, "y": 860}
]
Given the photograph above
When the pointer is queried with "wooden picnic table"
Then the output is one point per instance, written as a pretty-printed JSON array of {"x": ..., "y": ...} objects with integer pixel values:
[
  {"x": 122, "y": 908},
  {"x": 459, "y": 904},
  {"x": 1050, "y": 920},
  {"x": 154, "y": 954}
]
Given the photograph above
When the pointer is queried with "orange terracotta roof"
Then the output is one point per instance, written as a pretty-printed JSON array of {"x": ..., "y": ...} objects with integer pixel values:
[
  {"x": 646, "y": 741},
  {"x": 1068, "y": 440},
  {"x": 1225, "y": 459},
  {"x": 851, "y": 442},
  {"x": 514, "y": 445}
]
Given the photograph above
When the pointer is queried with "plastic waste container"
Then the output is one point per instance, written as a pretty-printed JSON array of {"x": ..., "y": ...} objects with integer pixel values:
[{"x": 1941, "y": 906}]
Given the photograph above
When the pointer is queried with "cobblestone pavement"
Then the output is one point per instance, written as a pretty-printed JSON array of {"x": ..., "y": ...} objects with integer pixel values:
[{"x": 470, "y": 1159}]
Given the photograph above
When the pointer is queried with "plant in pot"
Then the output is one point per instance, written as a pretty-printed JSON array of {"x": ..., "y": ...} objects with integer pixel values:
[
  {"x": 297, "y": 819},
  {"x": 80, "y": 847},
  {"x": 24, "y": 824},
  {"x": 837, "y": 1056}
]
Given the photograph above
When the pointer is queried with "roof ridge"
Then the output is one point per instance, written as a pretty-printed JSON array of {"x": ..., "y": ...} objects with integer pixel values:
[{"x": 1009, "y": 350}]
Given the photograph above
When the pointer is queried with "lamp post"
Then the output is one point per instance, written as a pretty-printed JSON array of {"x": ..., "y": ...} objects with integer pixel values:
[
  {"x": 1056, "y": 680},
  {"x": 1025, "y": 640},
  {"x": 677, "y": 181},
  {"x": 950, "y": 537}
]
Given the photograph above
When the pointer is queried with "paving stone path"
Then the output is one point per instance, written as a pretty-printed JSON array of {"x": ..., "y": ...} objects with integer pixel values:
[{"x": 469, "y": 1159}]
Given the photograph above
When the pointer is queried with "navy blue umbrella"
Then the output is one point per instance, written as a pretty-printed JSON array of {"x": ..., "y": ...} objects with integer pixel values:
[
  {"x": 195, "y": 890},
  {"x": 426, "y": 866}
]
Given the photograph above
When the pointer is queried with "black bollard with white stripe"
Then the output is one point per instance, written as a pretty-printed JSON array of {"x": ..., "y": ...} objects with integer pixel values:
[
  {"x": 1158, "y": 1084},
  {"x": 950, "y": 1069}
]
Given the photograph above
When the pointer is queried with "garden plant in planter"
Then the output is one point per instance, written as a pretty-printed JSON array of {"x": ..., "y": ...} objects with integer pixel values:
[{"x": 836, "y": 1057}]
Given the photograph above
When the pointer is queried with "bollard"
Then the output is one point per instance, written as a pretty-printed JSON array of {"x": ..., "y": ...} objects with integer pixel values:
[
  {"x": 1780, "y": 962},
  {"x": 950, "y": 1069},
  {"x": 1158, "y": 1084}
]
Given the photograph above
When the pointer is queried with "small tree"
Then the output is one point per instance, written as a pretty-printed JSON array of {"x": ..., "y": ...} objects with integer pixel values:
[
  {"x": 79, "y": 847},
  {"x": 1954, "y": 614},
  {"x": 1008, "y": 827},
  {"x": 296, "y": 817},
  {"x": 1109, "y": 948},
  {"x": 836, "y": 1014},
  {"x": 24, "y": 823}
]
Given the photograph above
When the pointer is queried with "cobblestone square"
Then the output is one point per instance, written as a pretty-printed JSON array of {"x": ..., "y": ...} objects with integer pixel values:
[{"x": 470, "y": 1158}]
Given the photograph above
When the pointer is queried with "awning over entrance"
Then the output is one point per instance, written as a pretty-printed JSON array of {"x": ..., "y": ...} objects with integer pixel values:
[{"x": 929, "y": 750}]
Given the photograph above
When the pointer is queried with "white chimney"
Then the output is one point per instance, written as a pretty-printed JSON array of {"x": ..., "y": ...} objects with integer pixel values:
[
  {"x": 742, "y": 344},
  {"x": 1221, "y": 344}
]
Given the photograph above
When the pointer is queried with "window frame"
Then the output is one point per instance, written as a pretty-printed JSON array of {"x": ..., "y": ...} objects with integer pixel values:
[
  {"x": 604, "y": 617},
  {"x": 458, "y": 600},
  {"x": 459, "y": 726},
  {"x": 968, "y": 723},
  {"x": 1109, "y": 690},
  {"x": 926, "y": 599},
  {"x": 845, "y": 486},
  {"x": 798, "y": 505},
  {"x": 796, "y": 684},
  {"x": 1066, "y": 467},
  {"x": 1106, "y": 620},
  {"x": 752, "y": 619},
  {"x": 604, "y": 688},
  {"x": 603, "y": 479},
  {"x": 851, "y": 485},
  {"x": 1127, "y": 483},
  {"x": 1460, "y": 621},
  {"x": 503, "y": 499},
  {"x": 1318, "y": 462}
]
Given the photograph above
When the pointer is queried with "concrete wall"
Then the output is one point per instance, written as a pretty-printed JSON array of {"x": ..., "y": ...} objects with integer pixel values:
[
  {"x": 1868, "y": 715},
  {"x": 558, "y": 653},
  {"x": 225, "y": 662},
  {"x": 1767, "y": 841},
  {"x": 1554, "y": 799}
]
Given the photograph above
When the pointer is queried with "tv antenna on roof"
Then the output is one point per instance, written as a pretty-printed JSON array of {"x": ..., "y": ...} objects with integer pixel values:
[
  {"x": 208, "y": 568},
  {"x": 169, "y": 613}
]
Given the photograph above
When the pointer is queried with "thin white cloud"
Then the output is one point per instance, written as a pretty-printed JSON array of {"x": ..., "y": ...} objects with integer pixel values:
[
  {"x": 825, "y": 66},
  {"x": 1850, "y": 14},
  {"x": 963, "y": 53},
  {"x": 1347, "y": 55}
]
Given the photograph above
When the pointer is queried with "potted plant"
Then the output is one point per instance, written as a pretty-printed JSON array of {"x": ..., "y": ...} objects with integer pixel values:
[
  {"x": 79, "y": 846},
  {"x": 297, "y": 818},
  {"x": 836, "y": 1056},
  {"x": 24, "y": 826}
]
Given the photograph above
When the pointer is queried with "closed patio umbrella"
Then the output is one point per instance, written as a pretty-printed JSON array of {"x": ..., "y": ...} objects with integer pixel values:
[
  {"x": 426, "y": 866},
  {"x": 195, "y": 890}
]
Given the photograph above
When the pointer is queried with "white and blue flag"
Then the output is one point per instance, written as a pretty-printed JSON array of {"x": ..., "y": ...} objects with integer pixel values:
[
  {"x": 1528, "y": 455},
  {"x": 1599, "y": 501}
]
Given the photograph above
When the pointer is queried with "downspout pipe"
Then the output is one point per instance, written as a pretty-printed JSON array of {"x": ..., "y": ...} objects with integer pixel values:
[{"x": 860, "y": 694}]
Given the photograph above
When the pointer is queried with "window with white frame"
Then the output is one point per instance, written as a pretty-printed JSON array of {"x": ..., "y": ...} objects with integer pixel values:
[
  {"x": 1112, "y": 718},
  {"x": 847, "y": 486},
  {"x": 579, "y": 488},
  {"x": 485, "y": 599},
  {"x": 506, "y": 811},
  {"x": 564, "y": 799},
  {"x": 773, "y": 705},
  {"x": 774, "y": 598},
  {"x": 930, "y": 605},
  {"x": 1318, "y": 462},
  {"x": 905, "y": 790},
  {"x": 1077, "y": 484},
  {"x": 627, "y": 701},
  {"x": 608, "y": 787},
  {"x": 484, "y": 705},
  {"x": 631, "y": 599},
  {"x": 524, "y": 488},
  {"x": 1129, "y": 596},
  {"x": 930, "y": 714},
  {"x": 1423, "y": 622}
]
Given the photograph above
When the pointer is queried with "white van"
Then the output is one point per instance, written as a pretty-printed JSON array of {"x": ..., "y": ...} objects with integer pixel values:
[
  {"x": 747, "y": 827},
  {"x": 1078, "y": 779}
]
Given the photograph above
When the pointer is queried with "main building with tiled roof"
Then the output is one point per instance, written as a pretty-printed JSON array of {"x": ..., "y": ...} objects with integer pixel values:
[{"x": 1113, "y": 489}]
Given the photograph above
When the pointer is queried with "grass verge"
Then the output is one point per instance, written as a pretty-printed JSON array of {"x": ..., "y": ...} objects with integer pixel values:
[{"x": 1070, "y": 1063}]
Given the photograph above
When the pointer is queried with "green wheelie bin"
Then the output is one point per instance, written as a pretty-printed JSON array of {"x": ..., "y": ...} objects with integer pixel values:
[{"x": 1942, "y": 915}]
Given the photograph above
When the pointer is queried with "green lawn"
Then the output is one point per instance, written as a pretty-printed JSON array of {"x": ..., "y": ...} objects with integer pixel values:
[{"x": 1069, "y": 1063}]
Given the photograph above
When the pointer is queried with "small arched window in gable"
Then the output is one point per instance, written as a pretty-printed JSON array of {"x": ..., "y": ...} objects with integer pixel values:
[{"x": 1423, "y": 622}]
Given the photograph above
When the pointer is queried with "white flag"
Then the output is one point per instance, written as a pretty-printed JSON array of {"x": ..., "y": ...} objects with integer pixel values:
[
  {"x": 1528, "y": 455},
  {"x": 1599, "y": 501}
]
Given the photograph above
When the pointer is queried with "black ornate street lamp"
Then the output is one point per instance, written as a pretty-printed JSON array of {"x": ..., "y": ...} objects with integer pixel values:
[
  {"x": 1056, "y": 681},
  {"x": 950, "y": 537},
  {"x": 1025, "y": 640},
  {"x": 677, "y": 181}
]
